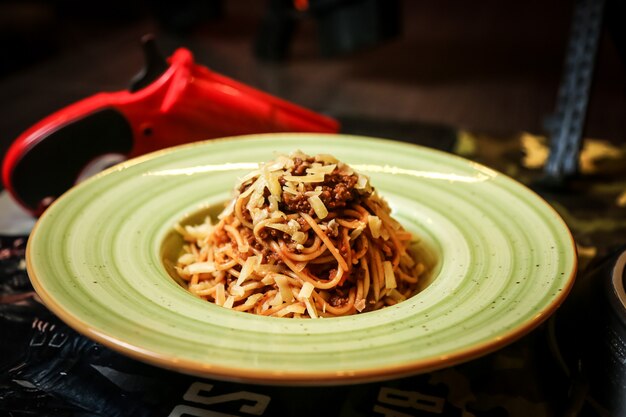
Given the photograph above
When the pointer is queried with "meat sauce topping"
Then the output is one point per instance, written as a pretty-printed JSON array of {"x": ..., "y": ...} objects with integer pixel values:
[{"x": 337, "y": 190}]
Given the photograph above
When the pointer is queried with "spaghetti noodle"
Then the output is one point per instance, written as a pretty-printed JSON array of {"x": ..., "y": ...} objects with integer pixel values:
[{"x": 304, "y": 236}]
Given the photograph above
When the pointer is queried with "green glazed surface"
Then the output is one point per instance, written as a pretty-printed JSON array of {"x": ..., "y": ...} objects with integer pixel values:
[{"x": 502, "y": 261}]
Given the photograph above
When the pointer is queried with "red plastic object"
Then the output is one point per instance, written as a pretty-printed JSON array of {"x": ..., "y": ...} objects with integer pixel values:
[{"x": 188, "y": 102}]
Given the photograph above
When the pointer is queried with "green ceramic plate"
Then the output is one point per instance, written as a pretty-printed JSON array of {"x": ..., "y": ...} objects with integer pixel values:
[{"x": 502, "y": 262}]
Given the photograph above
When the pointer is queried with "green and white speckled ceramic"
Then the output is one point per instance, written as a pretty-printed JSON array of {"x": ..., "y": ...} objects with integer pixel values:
[{"x": 504, "y": 261}]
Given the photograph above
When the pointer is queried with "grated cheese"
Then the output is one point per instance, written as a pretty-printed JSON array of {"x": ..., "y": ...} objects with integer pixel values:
[
  {"x": 375, "y": 225},
  {"x": 229, "y": 302},
  {"x": 360, "y": 304},
  {"x": 271, "y": 180},
  {"x": 318, "y": 207},
  {"x": 319, "y": 177},
  {"x": 219, "y": 294},
  {"x": 310, "y": 308},
  {"x": 186, "y": 259},
  {"x": 237, "y": 290},
  {"x": 324, "y": 157},
  {"x": 252, "y": 300},
  {"x": 305, "y": 291},
  {"x": 277, "y": 300},
  {"x": 283, "y": 285},
  {"x": 357, "y": 232},
  {"x": 390, "y": 278},
  {"x": 200, "y": 268},
  {"x": 296, "y": 308},
  {"x": 299, "y": 237},
  {"x": 318, "y": 168},
  {"x": 247, "y": 269}
]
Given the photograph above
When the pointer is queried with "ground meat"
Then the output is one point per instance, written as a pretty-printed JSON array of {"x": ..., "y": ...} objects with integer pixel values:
[
  {"x": 304, "y": 227},
  {"x": 300, "y": 166},
  {"x": 275, "y": 234},
  {"x": 269, "y": 257},
  {"x": 332, "y": 273},
  {"x": 296, "y": 204},
  {"x": 338, "y": 298},
  {"x": 220, "y": 237},
  {"x": 337, "y": 192},
  {"x": 337, "y": 301},
  {"x": 343, "y": 250},
  {"x": 253, "y": 242}
]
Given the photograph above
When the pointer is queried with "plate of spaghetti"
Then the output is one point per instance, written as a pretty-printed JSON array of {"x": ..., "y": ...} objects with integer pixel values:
[{"x": 301, "y": 259}]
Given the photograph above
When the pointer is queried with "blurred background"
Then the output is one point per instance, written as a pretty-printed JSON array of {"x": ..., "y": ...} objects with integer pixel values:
[{"x": 486, "y": 66}]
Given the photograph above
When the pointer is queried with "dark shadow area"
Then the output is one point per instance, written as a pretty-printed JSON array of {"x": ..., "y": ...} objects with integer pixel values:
[{"x": 489, "y": 66}]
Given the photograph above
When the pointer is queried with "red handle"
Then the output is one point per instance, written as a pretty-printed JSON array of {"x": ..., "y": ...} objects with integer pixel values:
[{"x": 189, "y": 103}]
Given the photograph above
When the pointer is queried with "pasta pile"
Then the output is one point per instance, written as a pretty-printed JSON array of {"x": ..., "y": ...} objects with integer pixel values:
[{"x": 304, "y": 236}]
